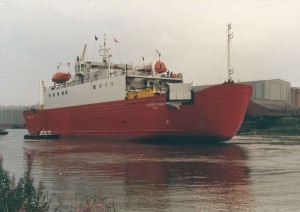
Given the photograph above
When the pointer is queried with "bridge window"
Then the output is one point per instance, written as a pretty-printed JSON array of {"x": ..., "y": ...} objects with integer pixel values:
[
  {"x": 151, "y": 85},
  {"x": 77, "y": 68}
]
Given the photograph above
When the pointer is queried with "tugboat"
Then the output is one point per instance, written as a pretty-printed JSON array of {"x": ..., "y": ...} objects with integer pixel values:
[
  {"x": 43, "y": 135},
  {"x": 3, "y": 132}
]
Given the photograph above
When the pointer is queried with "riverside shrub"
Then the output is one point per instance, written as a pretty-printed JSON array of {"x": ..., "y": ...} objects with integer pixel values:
[{"x": 24, "y": 197}]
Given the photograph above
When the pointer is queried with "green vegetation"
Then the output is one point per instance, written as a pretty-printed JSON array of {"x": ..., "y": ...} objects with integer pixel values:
[
  {"x": 271, "y": 125},
  {"x": 25, "y": 197}
]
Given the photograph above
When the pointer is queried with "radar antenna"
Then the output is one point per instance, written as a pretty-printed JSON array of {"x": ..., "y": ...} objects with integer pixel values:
[{"x": 104, "y": 51}]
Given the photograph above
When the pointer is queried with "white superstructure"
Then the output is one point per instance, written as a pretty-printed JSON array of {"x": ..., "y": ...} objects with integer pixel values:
[
  {"x": 103, "y": 90},
  {"x": 103, "y": 81}
]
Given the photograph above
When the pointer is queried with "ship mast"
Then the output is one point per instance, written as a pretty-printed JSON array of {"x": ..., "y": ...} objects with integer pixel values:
[
  {"x": 229, "y": 37},
  {"x": 42, "y": 90},
  {"x": 82, "y": 59},
  {"x": 105, "y": 54}
]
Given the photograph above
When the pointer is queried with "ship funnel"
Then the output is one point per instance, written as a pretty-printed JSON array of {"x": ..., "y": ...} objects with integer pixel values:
[{"x": 42, "y": 89}]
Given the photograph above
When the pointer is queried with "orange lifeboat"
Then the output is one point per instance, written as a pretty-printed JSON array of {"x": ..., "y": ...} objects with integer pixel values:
[
  {"x": 160, "y": 67},
  {"x": 61, "y": 77}
]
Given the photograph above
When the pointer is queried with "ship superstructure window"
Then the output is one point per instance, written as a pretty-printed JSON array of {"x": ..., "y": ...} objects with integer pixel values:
[
  {"x": 100, "y": 86},
  {"x": 66, "y": 92},
  {"x": 151, "y": 85},
  {"x": 62, "y": 93},
  {"x": 112, "y": 83},
  {"x": 57, "y": 93},
  {"x": 53, "y": 94},
  {"x": 94, "y": 86},
  {"x": 49, "y": 95}
]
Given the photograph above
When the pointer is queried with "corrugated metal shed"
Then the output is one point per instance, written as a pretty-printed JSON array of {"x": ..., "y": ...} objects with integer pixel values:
[
  {"x": 267, "y": 107},
  {"x": 295, "y": 96},
  {"x": 275, "y": 89},
  {"x": 275, "y": 104},
  {"x": 11, "y": 115}
]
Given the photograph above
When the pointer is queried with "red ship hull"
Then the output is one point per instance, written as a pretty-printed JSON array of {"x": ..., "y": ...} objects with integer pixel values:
[{"x": 215, "y": 115}]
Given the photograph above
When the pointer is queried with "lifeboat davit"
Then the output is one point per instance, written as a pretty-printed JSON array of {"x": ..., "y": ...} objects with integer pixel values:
[
  {"x": 61, "y": 77},
  {"x": 160, "y": 67}
]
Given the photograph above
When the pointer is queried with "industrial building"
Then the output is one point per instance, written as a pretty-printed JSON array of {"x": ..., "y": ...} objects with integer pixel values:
[
  {"x": 266, "y": 107},
  {"x": 273, "y": 98},
  {"x": 11, "y": 116},
  {"x": 274, "y": 89},
  {"x": 295, "y": 96}
]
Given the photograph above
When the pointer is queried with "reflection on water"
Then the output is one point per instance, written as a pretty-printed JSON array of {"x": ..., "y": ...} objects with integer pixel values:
[{"x": 139, "y": 176}]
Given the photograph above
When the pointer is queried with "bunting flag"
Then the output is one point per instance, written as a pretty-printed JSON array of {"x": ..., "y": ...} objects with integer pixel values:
[
  {"x": 116, "y": 40},
  {"x": 96, "y": 38}
]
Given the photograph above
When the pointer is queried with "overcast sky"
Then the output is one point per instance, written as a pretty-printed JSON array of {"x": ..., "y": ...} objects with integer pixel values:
[{"x": 37, "y": 35}]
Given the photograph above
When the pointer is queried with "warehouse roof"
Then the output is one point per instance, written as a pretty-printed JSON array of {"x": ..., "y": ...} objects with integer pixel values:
[
  {"x": 269, "y": 80},
  {"x": 274, "y": 104}
]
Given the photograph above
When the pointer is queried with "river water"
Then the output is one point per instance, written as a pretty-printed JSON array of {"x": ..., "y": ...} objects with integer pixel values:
[{"x": 250, "y": 173}]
